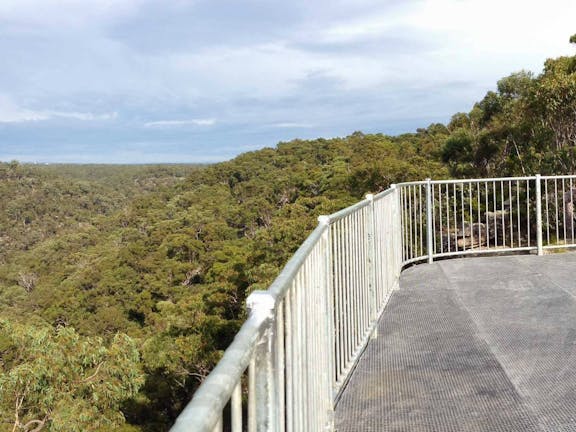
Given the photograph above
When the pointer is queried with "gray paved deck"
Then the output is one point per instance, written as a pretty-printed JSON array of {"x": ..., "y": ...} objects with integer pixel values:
[{"x": 475, "y": 344}]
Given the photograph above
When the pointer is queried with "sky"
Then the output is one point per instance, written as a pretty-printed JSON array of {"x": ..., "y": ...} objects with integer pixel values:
[{"x": 196, "y": 81}]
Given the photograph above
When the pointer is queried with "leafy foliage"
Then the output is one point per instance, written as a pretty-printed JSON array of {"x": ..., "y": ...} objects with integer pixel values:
[
  {"x": 527, "y": 126},
  {"x": 54, "y": 379}
]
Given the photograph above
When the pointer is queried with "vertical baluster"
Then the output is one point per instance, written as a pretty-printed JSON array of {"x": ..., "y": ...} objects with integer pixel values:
[
  {"x": 462, "y": 216},
  {"x": 280, "y": 366},
  {"x": 433, "y": 209},
  {"x": 382, "y": 253},
  {"x": 518, "y": 213},
  {"x": 511, "y": 211},
  {"x": 494, "y": 215},
  {"x": 297, "y": 355},
  {"x": 486, "y": 216},
  {"x": 405, "y": 217},
  {"x": 252, "y": 396},
  {"x": 414, "y": 219},
  {"x": 564, "y": 209},
  {"x": 369, "y": 279},
  {"x": 471, "y": 214},
  {"x": 415, "y": 209},
  {"x": 547, "y": 213},
  {"x": 335, "y": 231},
  {"x": 315, "y": 372},
  {"x": 571, "y": 212},
  {"x": 352, "y": 286},
  {"x": 337, "y": 298},
  {"x": 303, "y": 355},
  {"x": 528, "y": 210},
  {"x": 502, "y": 210},
  {"x": 357, "y": 281},
  {"x": 556, "y": 209},
  {"x": 400, "y": 191},
  {"x": 539, "y": 215},
  {"x": 366, "y": 266},
  {"x": 236, "y": 408},
  {"x": 290, "y": 342},
  {"x": 454, "y": 198},
  {"x": 343, "y": 295},
  {"x": 479, "y": 216},
  {"x": 448, "y": 216},
  {"x": 348, "y": 290},
  {"x": 305, "y": 370},
  {"x": 440, "y": 201},
  {"x": 360, "y": 274},
  {"x": 421, "y": 204},
  {"x": 429, "y": 222}
]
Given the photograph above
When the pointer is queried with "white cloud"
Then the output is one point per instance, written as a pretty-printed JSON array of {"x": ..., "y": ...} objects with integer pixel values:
[
  {"x": 294, "y": 125},
  {"x": 356, "y": 29},
  {"x": 81, "y": 115},
  {"x": 62, "y": 15},
  {"x": 176, "y": 123},
  {"x": 10, "y": 112}
]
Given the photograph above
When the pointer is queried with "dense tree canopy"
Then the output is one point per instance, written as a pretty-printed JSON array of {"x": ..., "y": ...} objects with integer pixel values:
[
  {"x": 54, "y": 379},
  {"x": 527, "y": 125}
]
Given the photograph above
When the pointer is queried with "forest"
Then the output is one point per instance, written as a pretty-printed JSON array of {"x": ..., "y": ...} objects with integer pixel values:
[{"x": 120, "y": 286}]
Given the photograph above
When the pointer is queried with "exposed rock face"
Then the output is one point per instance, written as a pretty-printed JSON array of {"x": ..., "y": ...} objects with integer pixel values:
[
  {"x": 479, "y": 234},
  {"x": 472, "y": 236}
]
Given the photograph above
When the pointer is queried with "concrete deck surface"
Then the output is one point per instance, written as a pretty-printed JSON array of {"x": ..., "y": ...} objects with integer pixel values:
[{"x": 472, "y": 344}]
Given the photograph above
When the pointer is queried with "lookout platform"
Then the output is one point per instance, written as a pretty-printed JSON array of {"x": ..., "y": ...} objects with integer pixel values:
[{"x": 475, "y": 344}]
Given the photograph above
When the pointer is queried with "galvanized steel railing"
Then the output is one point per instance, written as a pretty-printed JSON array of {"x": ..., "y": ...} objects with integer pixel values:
[
  {"x": 304, "y": 334},
  {"x": 286, "y": 367},
  {"x": 477, "y": 216}
]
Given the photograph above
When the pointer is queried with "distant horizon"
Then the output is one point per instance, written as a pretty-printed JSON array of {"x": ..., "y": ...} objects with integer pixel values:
[
  {"x": 106, "y": 164},
  {"x": 204, "y": 81},
  {"x": 210, "y": 162}
]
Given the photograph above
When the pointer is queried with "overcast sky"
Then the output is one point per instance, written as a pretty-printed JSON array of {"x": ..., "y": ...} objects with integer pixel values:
[{"x": 138, "y": 81}]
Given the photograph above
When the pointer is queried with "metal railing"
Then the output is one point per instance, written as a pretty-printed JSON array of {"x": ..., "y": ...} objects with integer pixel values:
[
  {"x": 477, "y": 216},
  {"x": 291, "y": 359}
]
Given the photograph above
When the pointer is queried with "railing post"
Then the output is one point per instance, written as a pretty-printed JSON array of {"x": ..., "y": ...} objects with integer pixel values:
[
  {"x": 371, "y": 229},
  {"x": 329, "y": 370},
  {"x": 265, "y": 392},
  {"x": 429, "y": 226},
  {"x": 539, "y": 215}
]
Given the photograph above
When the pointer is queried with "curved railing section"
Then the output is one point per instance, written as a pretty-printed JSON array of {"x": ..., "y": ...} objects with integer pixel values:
[
  {"x": 292, "y": 357},
  {"x": 478, "y": 216}
]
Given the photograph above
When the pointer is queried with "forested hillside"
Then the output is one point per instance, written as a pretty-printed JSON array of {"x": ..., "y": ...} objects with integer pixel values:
[
  {"x": 120, "y": 289},
  {"x": 40, "y": 201},
  {"x": 170, "y": 269}
]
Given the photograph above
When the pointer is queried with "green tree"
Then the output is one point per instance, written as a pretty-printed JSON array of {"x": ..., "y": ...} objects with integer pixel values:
[{"x": 57, "y": 380}]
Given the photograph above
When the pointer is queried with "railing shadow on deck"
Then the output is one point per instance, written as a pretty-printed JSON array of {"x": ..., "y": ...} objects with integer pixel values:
[{"x": 292, "y": 357}]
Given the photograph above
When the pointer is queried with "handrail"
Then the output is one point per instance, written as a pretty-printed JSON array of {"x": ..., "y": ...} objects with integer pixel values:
[
  {"x": 213, "y": 395},
  {"x": 280, "y": 285},
  {"x": 304, "y": 335},
  {"x": 348, "y": 211}
]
